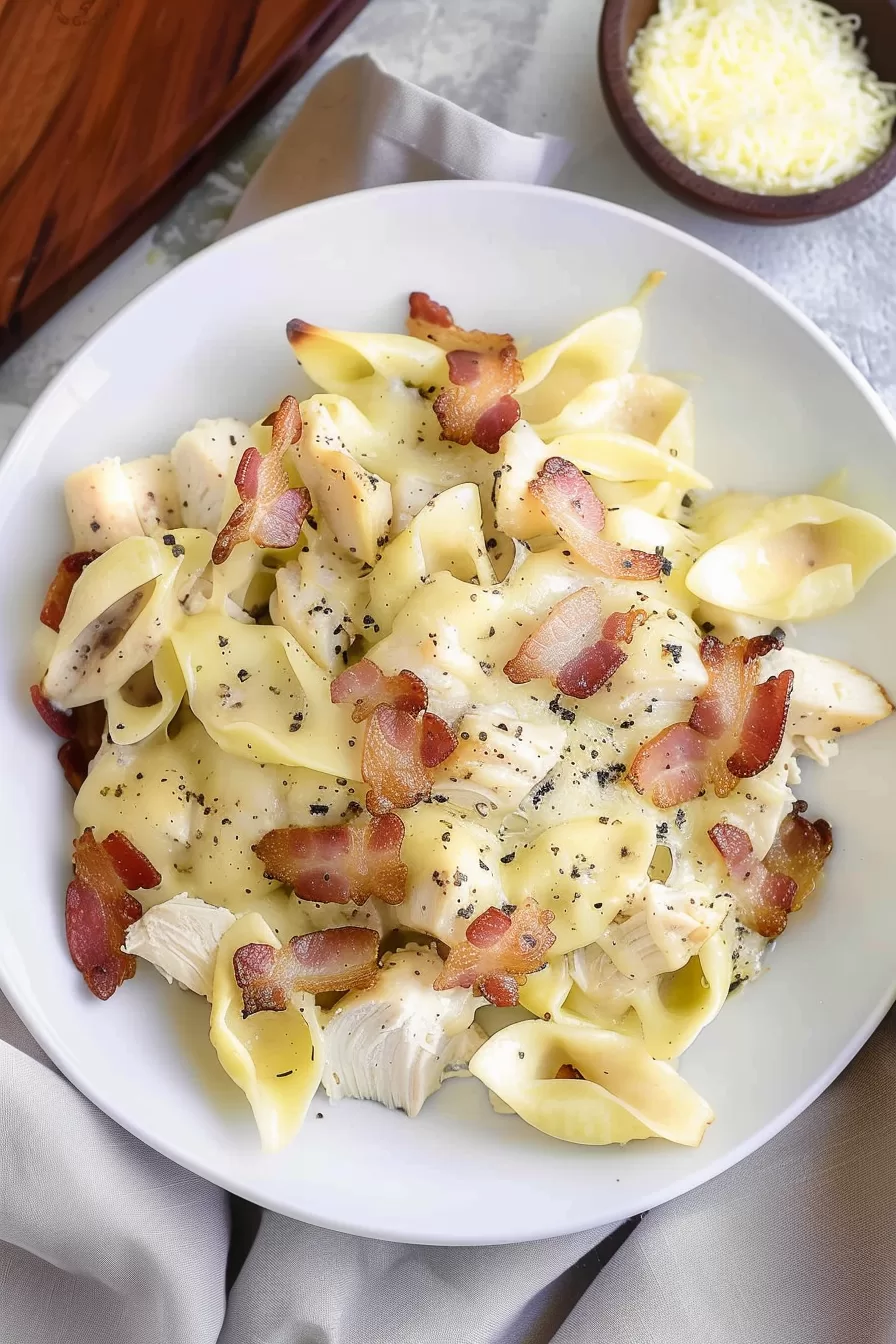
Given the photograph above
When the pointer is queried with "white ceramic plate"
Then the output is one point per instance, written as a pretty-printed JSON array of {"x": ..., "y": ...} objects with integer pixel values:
[{"x": 777, "y": 409}]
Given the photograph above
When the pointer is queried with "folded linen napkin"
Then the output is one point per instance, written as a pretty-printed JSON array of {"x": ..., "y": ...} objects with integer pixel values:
[{"x": 101, "y": 1238}]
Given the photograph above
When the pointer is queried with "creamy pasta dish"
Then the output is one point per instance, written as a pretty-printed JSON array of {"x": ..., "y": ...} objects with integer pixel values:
[{"x": 442, "y": 724}]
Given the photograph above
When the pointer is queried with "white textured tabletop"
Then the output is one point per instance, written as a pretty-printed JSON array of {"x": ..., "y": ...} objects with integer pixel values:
[{"x": 528, "y": 65}]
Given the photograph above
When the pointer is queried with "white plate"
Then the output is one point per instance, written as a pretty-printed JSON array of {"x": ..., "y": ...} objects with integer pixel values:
[{"x": 777, "y": 409}]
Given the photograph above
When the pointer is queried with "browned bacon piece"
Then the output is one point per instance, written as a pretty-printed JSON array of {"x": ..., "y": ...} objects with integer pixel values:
[
  {"x": 99, "y": 908},
  {"x": 498, "y": 953},
  {"x": 71, "y": 567},
  {"x": 745, "y": 721},
  {"x": 476, "y": 406},
  {"x": 368, "y": 686},
  {"x": 323, "y": 962},
  {"x": 671, "y": 767},
  {"x": 338, "y": 864},
  {"x": 59, "y": 721},
  {"x": 620, "y": 626},
  {"x": 82, "y": 728},
  {"x": 88, "y": 724},
  {"x": 578, "y": 516},
  {"x": 799, "y": 851},
  {"x": 400, "y": 752},
  {"x": 270, "y": 512},
  {"x": 431, "y": 321},
  {"x": 572, "y": 649},
  {"x": 735, "y": 729},
  {"x": 767, "y": 891}
]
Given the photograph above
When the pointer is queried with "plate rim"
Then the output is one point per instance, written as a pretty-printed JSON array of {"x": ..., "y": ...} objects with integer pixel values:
[{"x": 28, "y": 1009}]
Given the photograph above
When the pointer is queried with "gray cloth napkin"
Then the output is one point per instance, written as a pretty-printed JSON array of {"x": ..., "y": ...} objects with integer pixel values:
[{"x": 102, "y": 1239}]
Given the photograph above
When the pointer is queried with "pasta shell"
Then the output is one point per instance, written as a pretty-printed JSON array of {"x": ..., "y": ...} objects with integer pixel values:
[{"x": 800, "y": 557}]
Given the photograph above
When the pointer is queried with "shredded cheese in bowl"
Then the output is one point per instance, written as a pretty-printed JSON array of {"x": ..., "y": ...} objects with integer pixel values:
[{"x": 774, "y": 97}]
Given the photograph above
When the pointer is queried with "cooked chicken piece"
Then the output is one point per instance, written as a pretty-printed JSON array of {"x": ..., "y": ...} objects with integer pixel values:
[
  {"x": 356, "y": 504},
  {"x": 498, "y": 759},
  {"x": 113, "y": 500},
  {"x": 180, "y": 938},
  {"x": 395, "y": 1042},
  {"x": 664, "y": 928},
  {"x": 153, "y": 487},
  {"x": 205, "y": 460},
  {"x": 101, "y": 508},
  {"x": 828, "y": 699},
  {"x": 320, "y": 599}
]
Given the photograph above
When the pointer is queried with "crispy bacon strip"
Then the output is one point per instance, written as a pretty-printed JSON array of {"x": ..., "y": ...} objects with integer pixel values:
[
  {"x": 578, "y": 516},
  {"x": 593, "y": 668},
  {"x": 735, "y": 729},
  {"x": 620, "y": 626},
  {"x": 59, "y": 721},
  {"x": 368, "y": 686},
  {"x": 768, "y": 891},
  {"x": 431, "y": 321},
  {"x": 99, "y": 908},
  {"x": 270, "y": 512},
  {"x": 671, "y": 767},
  {"x": 400, "y": 752},
  {"x": 762, "y": 728},
  {"x": 566, "y": 649},
  {"x": 82, "y": 729},
  {"x": 338, "y": 864},
  {"x": 745, "y": 721},
  {"x": 498, "y": 953},
  {"x": 71, "y": 567},
  {"x": 569, "y": 628},
  {"x": 799, "y": 851},
  {"x": 88, "y": 724},
  {"x": 764, "y": 899},
  {"x": 315, "y": 963},
  {"x": 130, "y": 863},
  {"x": 476, "y": 405}
]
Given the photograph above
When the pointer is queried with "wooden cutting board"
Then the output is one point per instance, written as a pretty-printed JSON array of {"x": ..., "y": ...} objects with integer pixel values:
[{"x": 110, "y": 109}]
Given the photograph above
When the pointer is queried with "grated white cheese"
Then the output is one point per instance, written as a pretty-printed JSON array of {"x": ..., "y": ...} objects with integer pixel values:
[{"x": 769, "y": 96}]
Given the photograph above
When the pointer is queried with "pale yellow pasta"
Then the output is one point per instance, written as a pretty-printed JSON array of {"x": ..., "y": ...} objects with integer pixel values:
[
  {"x": 609, "y": 458},
  {"x": 545, "y": 993},
  {"x": 198, "y": 810},
  {"x": 674, "y": 1009},
  {"x": 622, "y": 1094},
  {"x": 582, "y": 871},
  {"x": 604, "y": 347},
  {"x": 149, "y": 703},
  {"x": 339, "y": 360},
  {"x": 800, "y": 557},
  {"x": 355, "y": 503},
  {"x": 455, "y": 871},
  {"x": 275, "y": 1058},
  {"x": 259, "y": 695},
  {"x": 446, "y": 535},
  {"x": 635, "y": 406}
]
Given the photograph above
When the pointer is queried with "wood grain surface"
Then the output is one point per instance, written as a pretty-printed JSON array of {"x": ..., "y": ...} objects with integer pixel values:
[{"x": 110, "y": 109}]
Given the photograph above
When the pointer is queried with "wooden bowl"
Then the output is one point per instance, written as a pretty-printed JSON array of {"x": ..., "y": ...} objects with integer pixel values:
[{"x": 620, "y": 23}]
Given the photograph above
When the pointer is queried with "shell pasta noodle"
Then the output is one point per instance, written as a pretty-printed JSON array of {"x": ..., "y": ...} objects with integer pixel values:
[{"x": 449, "y": 688}]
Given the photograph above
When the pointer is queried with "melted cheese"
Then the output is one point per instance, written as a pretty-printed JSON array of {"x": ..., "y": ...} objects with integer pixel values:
[{"x": 767, "y": 96}]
